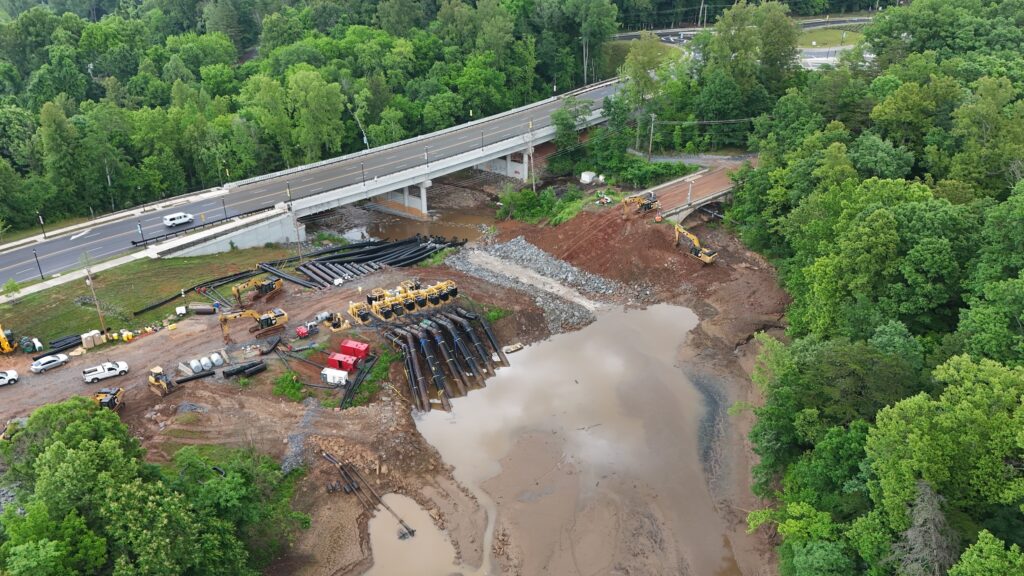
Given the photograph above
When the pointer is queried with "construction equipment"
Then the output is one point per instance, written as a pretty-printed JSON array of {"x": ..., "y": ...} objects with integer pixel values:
[
  {"x": 160, "y": 383},
  {"x": 110, "y": 398},
  {"x": 697, "y": 251},
  {"x": 359, "y": 311},
  {"x": 267, "y": 323},
  {"x": 308, "y": 329},
  {"x": 641, "y": 203},
  {"x": 336, "y": 322},
  {"x": 265, "y": 288},
  {"x": 7, "y": 343}
]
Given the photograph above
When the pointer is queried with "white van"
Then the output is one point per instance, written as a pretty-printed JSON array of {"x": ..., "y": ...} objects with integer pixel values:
[{"x": 177, "y": 219}]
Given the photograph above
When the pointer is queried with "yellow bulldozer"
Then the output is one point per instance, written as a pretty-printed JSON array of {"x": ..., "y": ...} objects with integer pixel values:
[
  {"x": 110, "y": 398},
  {"x": 160, "y": 383},
  {"x": 640, "y": 203},
  {"x": 267, "y": 323},
  {"x": 696, "y": 250},
  {"x": 264, "y": 288}
]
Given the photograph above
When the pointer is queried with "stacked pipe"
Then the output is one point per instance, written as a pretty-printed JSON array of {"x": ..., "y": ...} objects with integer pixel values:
[
  {"x": 443, "y": 347},
  {"x": 61, "y": 345},
  {"x": 364, "y": 370},
  {"x": 359, "y": 260}
]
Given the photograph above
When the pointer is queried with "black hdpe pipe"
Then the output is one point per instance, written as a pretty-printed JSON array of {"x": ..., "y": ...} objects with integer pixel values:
[
  {"x": 240, "y": 368},
  {"x": 66, "y": 340},
  {"x": 435, "y": 368},
  {"x": 487, "y": 330},
  {"x": 255, "y": 369},
  {"x": 361, "y": 374},
  {"x": 196, "y": 376},
  {"x": 368, "y": 254},
  {"x": 58, "y": 349},
  {"x": 460, "y": 378},
  {"x": 288, "y": 277},
  {"x": 460, "y": 345},
  {"x": 477, "y": 344},
  {"x": 413, "y": 388},
  {"x": 315, "y": 275},
  {"x": 421, "y": 380},
  {"x": 410, "y": 257}
]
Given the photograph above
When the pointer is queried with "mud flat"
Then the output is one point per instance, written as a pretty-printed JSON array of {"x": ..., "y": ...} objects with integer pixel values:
[{"x": 586, "y": 453}]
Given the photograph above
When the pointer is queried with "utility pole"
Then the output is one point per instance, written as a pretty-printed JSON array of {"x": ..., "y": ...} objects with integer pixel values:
[
  {"x": 650, "y": 142},
  {"x": 106, "y": 168},
  {"x": 95, "y": 300}
]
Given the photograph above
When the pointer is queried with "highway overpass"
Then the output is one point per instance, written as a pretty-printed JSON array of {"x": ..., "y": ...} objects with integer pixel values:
[{"x": 380, "y": 171}]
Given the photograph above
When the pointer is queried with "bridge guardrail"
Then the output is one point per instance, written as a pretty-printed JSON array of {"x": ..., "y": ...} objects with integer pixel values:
[{"x": 172, "y": 234}]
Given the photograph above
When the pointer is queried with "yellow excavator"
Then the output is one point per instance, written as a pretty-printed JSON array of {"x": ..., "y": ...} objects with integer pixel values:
[
  {"x": 160, "y": 383},
  {"x": 696, "y": 249},
  {"x": 265, "y": 288},
  {"x": 641, "y": 203},
  {"x": 266, "y": 323}
]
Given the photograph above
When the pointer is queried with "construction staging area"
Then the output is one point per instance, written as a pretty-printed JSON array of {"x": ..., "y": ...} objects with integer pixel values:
[{"x": 374, "y": 340}]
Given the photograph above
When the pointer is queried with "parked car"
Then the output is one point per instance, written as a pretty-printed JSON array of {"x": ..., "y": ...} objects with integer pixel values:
[
  {"x": 177, "y": 219},
  {"x": 104, "y": 371},
  {"x": 8, "y": 377},
  {"x": 47, "y": 362}
]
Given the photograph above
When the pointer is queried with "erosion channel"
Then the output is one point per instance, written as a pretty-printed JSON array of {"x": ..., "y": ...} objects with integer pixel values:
[{"x": 586, "y": 454}]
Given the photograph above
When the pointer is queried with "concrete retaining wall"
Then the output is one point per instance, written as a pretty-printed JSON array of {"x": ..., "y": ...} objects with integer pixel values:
[{"x": 277, "y": 229}]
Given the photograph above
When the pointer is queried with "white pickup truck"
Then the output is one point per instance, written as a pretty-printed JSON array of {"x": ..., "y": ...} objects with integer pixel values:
[{"x": 104, "y": 371}]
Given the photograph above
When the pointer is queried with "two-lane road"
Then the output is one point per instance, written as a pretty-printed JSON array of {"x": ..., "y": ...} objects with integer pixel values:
[{"x": 58, "y": 255}]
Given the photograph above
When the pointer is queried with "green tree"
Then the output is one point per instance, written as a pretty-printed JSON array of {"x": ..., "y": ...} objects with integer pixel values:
[
  {"x": 989, "y": 555},
  {"x": 398, "y": 17},
  {"x": 993, "y": 325},
  {"x": 315, "y": 106}
]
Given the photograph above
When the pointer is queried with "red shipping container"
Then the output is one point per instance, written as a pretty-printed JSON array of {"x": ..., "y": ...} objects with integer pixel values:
[
  {"x": 359, "y": 350},
  {"x": 347, "y": 362},
  {"x": 334, "y": 360}
]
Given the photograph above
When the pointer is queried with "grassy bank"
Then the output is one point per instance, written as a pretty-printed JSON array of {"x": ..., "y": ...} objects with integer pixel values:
[
  {"x": 614, "y": 55},
  {"x": 829, "y": 38},
  {"x": 68, "y": 309}
]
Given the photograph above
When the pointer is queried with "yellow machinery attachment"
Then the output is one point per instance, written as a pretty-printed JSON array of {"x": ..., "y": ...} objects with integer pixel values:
[
  {"x": 696, "y": 250},
  {"x": 7, "y": 343},
  {"x": 641, "y": 203},
  {"x": 407, "y": 298}
]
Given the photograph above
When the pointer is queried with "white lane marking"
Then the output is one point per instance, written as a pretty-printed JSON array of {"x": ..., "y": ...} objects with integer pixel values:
[
  {"x": 23, "y": 271},
  {"x": 307, "y": 179},
  {"x": 82, "y": 233}
]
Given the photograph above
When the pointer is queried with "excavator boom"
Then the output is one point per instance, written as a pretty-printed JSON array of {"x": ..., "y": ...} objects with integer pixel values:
[{"x": 696, "y": 250}]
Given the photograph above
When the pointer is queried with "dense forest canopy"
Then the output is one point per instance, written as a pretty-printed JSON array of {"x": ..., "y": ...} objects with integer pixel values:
[
  {"x": 108, "y": 104},
  {"x": 889, "y": 192}
]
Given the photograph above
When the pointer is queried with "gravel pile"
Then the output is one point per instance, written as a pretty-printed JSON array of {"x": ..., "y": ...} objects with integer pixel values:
[
  {"x": 521, "y": 252},
  {"x": 190, "y": 407},
  {"x": 295, "y": 455},
  {"x": 561, "y": 314}
]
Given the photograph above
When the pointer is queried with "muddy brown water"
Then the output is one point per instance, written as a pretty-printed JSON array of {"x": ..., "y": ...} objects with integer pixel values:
[
  {"x": 468, "y": 224},
  {"x": 586, "y": 452}
]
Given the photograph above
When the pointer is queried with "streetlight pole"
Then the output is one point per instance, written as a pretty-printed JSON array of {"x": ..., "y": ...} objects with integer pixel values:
[
  {"x": 138, "y": 224},
  {"x": 36, "y": 256},
  {"x": 362, "y": 170},
  {"x": 41, "y": 227},
  {"x": 110, "y": 192},
  {"x": 225, "y": 207}
]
